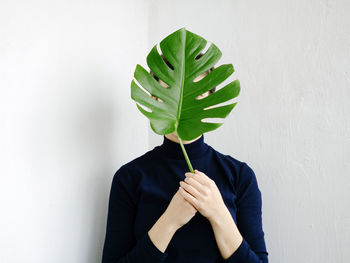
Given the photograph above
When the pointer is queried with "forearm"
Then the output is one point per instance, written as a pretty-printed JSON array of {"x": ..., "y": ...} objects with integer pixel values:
[
  {"x": 227, "y": 235},
  {"x": 162, "y": 232}
]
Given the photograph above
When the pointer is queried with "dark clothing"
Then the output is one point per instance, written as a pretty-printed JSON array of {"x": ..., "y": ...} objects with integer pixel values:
[{"x": 142, "y": 189}]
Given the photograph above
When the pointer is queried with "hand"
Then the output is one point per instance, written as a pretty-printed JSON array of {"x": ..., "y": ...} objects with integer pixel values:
[
  {"x": 202, "y": 192},
  {"x": 179, "y": 211}
]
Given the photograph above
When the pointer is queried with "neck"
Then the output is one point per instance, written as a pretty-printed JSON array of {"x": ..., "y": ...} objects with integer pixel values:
[
  {"x": 173, "y": 137},
  {"x": 171, "y": 148}
]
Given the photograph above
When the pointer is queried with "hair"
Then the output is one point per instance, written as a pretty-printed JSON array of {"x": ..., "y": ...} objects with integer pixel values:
[{"x": 170, "y": 66}]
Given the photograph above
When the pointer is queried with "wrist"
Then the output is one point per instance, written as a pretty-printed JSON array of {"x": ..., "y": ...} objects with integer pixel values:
[
  {"x": 220, "y": 213},
  {"x": 224, "y": 219},
  {"x": 167, "y": 224}
]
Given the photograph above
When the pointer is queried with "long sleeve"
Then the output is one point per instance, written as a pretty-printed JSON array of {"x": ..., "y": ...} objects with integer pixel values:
[
  {"x": 120, "y": 245},
  {"x": 249, "y": 220}
]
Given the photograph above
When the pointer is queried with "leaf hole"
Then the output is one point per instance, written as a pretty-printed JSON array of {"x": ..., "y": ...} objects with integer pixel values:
[
  {"x": 146, "y": 91},
  {"x": 204, "y": 50},
  {"x": 212, "y": 120},
  {"x": 142, "y": 88},
  {"x": 161, "y": 82},
  {"x": 163, "y": 57},
  {"x": 167, "y": 62},
  {"x": 204, "y": 74},
  {"x": 201, "y": 76},
  {"x": 231, "y": 101},
  {"x": 144, "y": 107},
  {"x": 202, "y": 96},
  {"x": 156, "y": 98}
]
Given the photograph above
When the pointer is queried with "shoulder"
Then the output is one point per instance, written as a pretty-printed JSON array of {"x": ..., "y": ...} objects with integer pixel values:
[
  {"x": 142, "y": 161},
  {"x": 227, "y": 158},
  {"x": 242, "y": 172},
  {"x": 245, "y": 173},
  {"x": 234, "y": 163},
  {"x": 137, "y": 165}
]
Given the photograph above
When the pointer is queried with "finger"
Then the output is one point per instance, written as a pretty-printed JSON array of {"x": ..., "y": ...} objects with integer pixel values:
[
  {"x": 197, "y": 185},
  {"x": 188, "y": 197},
  {"x": 199, "y": 177},
  {"x": 190, "y": 189},
  {"x": 202, "y": 175},
  {"x": 182, "y": 193}
]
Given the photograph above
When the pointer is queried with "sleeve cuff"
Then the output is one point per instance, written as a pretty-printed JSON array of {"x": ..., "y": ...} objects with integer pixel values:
[
  {"x": 151, "y": 250},
  {"x": 240, "y": 254}
]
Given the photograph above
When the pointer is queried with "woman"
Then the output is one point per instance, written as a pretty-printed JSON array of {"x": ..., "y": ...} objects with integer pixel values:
[{"x": 154, "y": 200}]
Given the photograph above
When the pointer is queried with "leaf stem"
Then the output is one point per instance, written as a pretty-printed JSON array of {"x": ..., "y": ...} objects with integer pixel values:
[{"x": 185, "y": 154}]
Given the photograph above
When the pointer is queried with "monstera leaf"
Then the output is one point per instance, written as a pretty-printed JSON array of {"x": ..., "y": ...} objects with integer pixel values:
[{"x": 179, "y": 109}]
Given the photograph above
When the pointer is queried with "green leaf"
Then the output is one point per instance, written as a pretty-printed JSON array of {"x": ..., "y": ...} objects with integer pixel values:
[{"x": 179, "y": 109}]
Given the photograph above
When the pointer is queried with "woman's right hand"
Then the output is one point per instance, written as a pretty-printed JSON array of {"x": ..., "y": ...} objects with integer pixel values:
[
  {"x": 179, "y": 210},
  {"x": 177, "y": 214}
]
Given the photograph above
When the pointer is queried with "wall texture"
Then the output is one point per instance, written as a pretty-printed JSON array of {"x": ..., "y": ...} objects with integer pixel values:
[
  {"x": 68, "y": 123},
  {"x": 292, "y": 120}
]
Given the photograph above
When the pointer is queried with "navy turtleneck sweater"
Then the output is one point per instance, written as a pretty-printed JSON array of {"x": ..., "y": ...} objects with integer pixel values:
[{"x": 142, "y": 189}]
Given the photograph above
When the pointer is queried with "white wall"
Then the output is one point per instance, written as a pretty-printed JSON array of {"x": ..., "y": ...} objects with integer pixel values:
[
  {"x": 66, "y": 117},
  {"x": 67, "y": 122},
  {"x": 292, "y": 120},
  {"x": 291, "y": 123}
]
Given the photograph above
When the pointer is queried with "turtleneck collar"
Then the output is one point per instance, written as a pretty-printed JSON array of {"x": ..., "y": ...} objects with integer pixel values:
[{"x": 173, "y": 150}]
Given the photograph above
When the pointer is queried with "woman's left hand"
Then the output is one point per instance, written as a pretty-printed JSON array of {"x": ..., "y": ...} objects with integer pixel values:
[{"x": 202, "y": 192}]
